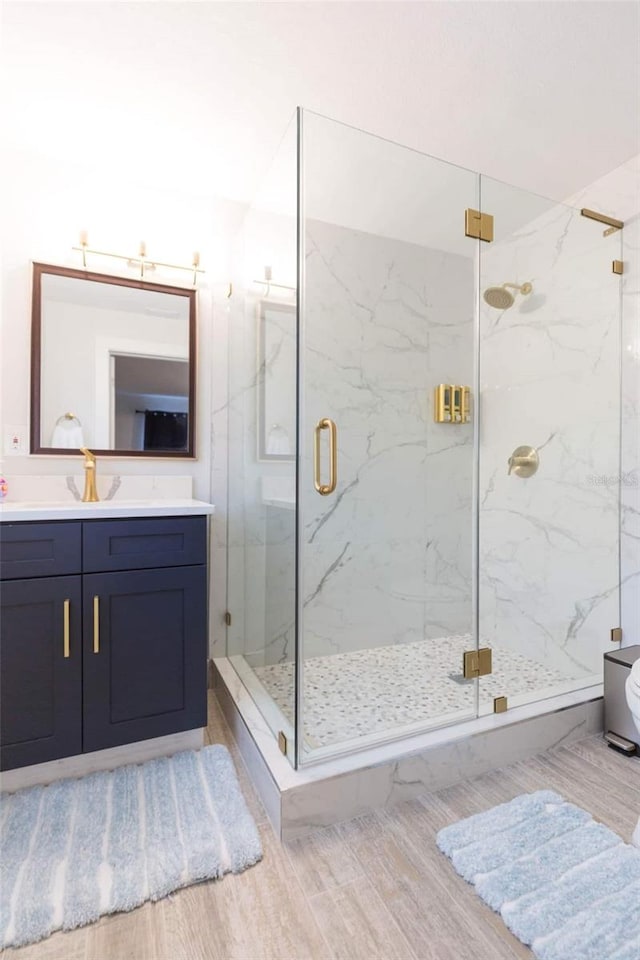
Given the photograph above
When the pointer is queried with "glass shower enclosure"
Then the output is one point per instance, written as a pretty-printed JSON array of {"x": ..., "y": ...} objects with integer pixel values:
[{"x": 423, "y": 409}]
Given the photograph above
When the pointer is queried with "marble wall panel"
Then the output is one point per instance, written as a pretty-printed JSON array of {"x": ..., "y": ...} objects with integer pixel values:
[{"x": 549, "y": 375}]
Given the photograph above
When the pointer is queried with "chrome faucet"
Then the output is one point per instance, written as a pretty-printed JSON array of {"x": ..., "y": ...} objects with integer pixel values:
[{"x": 90, "y": 494}]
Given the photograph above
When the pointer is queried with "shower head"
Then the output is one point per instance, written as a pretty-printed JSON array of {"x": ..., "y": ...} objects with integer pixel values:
[{"x": 501, "y": 298}]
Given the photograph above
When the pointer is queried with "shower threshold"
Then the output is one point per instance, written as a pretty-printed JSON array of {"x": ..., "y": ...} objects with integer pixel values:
[{"x": 368, "y": 776}]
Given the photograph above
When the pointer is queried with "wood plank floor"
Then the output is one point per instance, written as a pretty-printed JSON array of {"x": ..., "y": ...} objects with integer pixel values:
[{"x": 375, "y": 887}]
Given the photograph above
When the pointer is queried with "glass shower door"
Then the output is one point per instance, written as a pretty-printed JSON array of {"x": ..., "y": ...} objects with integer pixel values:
[
  {"x": 385, "y": 493},
  {"x": 261, "y": 449}
]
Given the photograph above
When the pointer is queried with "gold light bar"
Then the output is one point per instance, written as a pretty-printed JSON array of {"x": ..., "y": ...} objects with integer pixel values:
[
  {"x": 601, "y": 218},
  {"x": 141, "y": 260}
]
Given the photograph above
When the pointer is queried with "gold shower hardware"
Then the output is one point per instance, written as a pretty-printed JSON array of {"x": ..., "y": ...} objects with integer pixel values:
[
  {"x": 524, "y": 461},
  {"x": 476, "y": 663},
  {"x": 617, "y": 266},
  {"x": 90, "y": 494},
  {"x": 141, "y": 260},
  {"x": 616, "y": 635},
  {"x": 477, "y": 225},
  {"x": 227, "y": 618},
  {"x": 500, "y": 705},
  {"x": 96, "y": 624},
  {"x": 601, "y": 218},
  {"x": 324, "y": 489},
  {"x": 66, "y": 611},
  {"x": 451, "y": 403},
  {"x": 501, "y": 299},
  {"x": 282, "y": 742}
]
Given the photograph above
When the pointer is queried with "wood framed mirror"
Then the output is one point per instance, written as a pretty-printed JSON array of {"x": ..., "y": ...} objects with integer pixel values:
[{"x": 113, "y": 365}]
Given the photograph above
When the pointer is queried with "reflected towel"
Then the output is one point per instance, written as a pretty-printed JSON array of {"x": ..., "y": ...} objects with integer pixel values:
[{"x": 67, "y": 434}]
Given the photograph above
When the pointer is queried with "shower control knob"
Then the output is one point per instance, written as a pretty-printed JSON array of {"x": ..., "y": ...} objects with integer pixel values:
[{"x": 524, "y": 462}]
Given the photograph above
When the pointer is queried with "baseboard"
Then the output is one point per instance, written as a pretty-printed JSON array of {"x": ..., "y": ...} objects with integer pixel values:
[{"x": 79, "y": 766}]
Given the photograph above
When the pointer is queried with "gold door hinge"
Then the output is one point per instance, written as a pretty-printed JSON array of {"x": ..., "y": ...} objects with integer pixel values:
[
  {"x": 617, "y": 266},
  {"x": 500, "y": 705},
  {"x": 282, "y": 741},
  {"x": 478, "y": 225},
  {"x": 476, "y": 663},
  {"x": 227, "y": 618},
  {"x": 616, "y": 635}
]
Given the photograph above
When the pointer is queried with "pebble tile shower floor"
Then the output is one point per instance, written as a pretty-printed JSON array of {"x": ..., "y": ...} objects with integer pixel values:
[{"x": 370, "y": 691}]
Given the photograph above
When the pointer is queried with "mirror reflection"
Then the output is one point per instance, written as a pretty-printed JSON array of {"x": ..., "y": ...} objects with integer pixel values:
[
  {"x": 277, "y": 380},
  {"x": 112, "y": 365}
]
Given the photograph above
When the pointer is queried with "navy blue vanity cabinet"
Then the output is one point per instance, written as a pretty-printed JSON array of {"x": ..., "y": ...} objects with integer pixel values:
[
  {"x": 113, "y": 654},
  {"x": 145, "y": 654},
  {"x": 40, "y": 643},
  {"x": 145, "y": 629}
]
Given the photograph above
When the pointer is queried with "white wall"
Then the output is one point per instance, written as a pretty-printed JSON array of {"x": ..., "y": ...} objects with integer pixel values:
[{"x": 44, "y": 207}]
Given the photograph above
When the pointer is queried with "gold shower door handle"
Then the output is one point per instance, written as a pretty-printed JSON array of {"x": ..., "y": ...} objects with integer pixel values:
[
  {"x": 96, "y": 624},
  {"x": 324, "y": 489},
  {"x": 66, "y": 617}
]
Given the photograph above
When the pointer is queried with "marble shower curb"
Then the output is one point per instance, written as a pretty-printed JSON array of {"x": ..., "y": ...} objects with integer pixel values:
[{"x": 299, "y": 802}]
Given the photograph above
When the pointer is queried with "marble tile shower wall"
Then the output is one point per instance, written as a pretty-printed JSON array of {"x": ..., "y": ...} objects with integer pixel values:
[
  {"x": 549, "y": 373},
  {"x": 388, "y": 559},
  {"x": 548, "y": 546}
]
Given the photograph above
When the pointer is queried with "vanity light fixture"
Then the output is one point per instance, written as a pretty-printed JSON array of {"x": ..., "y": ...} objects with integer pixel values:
[{"x": 140, "y": 262}]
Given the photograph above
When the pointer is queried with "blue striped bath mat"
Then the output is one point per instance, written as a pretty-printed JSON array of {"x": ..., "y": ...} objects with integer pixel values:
[
  {"x": 565, "y": 885},
  {"x": 77, "y": 849}
]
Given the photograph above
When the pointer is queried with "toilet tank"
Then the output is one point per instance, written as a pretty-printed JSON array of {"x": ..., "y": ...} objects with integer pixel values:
[{"x": 619, "y": 728}]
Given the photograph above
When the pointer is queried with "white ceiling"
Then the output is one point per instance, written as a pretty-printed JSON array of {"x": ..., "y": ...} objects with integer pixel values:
[
  {"x": 152, "y": 376},
  {"x": 543, "y": 95}
]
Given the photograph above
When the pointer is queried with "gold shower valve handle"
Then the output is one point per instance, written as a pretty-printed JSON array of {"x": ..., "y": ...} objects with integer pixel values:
[
  {"x": 524, "y": 461},
  {"x": 324, "y": 489}
]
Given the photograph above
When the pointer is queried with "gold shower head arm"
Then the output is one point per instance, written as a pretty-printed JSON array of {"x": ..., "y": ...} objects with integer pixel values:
[{"x": 520, "y": 287}]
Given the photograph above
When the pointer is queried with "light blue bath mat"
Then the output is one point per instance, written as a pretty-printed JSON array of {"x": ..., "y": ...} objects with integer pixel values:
[
  {"x": 77, "y": 849},
  {"x": 565, "y": 885}
]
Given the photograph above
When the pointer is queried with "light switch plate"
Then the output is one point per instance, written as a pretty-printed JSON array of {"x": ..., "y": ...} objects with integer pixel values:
[{"x": 15, "y": 441}]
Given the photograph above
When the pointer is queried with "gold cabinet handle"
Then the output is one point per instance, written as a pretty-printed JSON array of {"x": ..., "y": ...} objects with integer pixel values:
[
  {"x": 96, "y": 624},
  {"x": 324, "y": 489},
  {"x": 66, "y": 618}
]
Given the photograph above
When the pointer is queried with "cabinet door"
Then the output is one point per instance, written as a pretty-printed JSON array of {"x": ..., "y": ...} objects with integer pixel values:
[
  {"x": 145, "y": 654},
  {"x": 40, "y": 670}
]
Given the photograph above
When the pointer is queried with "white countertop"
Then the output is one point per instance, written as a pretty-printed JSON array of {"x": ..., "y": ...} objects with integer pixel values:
[{"x": 11, "y": 511}]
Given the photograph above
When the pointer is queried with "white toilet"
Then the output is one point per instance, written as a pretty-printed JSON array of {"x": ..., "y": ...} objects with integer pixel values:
[{"x": 632, "y": 689}]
